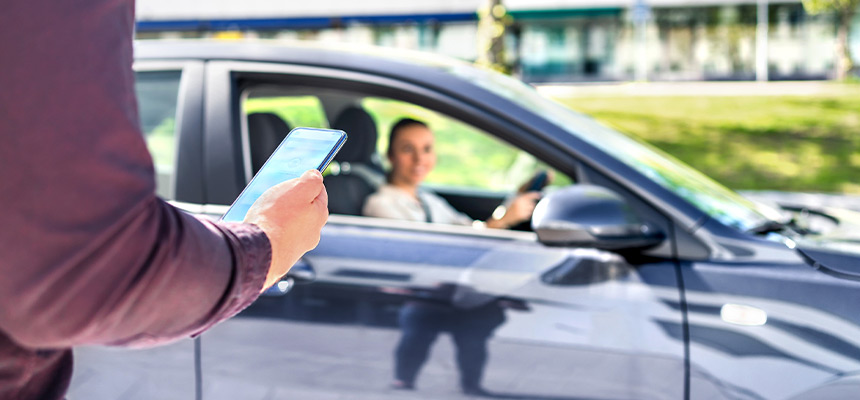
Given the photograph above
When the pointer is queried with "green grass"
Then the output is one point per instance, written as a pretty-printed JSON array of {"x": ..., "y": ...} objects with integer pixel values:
[{"x": 755, "y": 143}]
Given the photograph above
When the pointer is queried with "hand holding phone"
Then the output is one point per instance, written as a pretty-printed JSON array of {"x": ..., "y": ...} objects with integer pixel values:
[
  {"x": 287, "y": 200},
  {"x": 292, "y": 214},
  {"x": 303, "y": 149}
]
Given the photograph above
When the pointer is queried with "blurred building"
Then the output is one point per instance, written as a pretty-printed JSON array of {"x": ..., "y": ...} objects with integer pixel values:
[{"x": 547, "y": 40}]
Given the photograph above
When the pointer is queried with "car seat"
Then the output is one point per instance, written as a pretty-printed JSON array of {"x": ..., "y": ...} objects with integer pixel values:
[
  {"x": 359, "y": 171},
  {"x": 265, "y": 132}
]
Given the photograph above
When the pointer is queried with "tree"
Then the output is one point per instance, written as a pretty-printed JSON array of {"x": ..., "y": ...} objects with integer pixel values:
[
  {"x": 492, "y": 21},
  {"x": 844, "y": 11}
]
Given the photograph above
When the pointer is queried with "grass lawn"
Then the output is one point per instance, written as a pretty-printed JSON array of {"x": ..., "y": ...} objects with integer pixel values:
[{"x": 792, "y": 143}]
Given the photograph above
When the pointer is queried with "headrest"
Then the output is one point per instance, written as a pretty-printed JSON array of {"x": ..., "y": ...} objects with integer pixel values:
[
  {"x": 265, "y": 133},
  {"x": 361, "y": 129}
]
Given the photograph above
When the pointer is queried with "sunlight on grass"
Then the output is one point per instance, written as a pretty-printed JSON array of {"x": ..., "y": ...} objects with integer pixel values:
[
  {"x": 758, "y": 143},
  {"x": 296, "y": 111},
  {"x": 161, "y": 144}
]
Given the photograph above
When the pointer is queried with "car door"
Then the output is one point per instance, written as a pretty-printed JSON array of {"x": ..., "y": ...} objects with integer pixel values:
[
  {"x": 454, "y": 302},
  {"x": 767, "y": 324},
  {"x": 169, "y": 95}
]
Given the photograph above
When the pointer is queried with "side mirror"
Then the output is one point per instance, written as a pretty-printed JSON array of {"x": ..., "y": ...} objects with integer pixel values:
[{"x": 591, "y": 216}]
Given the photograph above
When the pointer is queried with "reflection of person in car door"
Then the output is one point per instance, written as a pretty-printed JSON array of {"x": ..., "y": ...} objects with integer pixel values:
[
  {"x": 469, "y": 316},
  {"x": 435, "y": 310},
  {"x": 412, "y": 157}
]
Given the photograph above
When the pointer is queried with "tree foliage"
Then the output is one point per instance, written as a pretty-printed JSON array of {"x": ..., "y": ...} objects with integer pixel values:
[
  {"x": 820, "y": 6},
  {"x": 493, "y": 20},
  {"x": 844, "y": 10}
]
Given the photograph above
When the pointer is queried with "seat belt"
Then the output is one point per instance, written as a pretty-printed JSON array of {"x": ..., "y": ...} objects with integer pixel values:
[{"x": 429, "y": 218}]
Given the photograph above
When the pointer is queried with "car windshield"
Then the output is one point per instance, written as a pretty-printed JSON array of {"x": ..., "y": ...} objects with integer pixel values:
[{"x": 711, "y": 197}]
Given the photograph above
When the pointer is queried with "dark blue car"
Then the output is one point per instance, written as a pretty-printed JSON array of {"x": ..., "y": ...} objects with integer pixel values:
[{"x": 638, "y": 277}]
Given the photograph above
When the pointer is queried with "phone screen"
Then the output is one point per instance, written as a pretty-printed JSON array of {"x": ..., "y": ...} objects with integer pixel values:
[{"x": 303, "y": 149}]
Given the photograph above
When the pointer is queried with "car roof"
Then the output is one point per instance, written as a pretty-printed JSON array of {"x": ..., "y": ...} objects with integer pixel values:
[{"x": 404, "y": 64}]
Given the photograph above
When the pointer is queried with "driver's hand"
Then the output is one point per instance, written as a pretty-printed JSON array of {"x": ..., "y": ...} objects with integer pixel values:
[
  {"x": 527, "y": 185},
  {"x": 292, "y": 215},
  {"x": 519, "y": 210}
]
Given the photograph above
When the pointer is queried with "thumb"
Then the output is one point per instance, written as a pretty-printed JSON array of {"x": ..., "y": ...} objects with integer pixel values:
[
  {"x": 305, "y": 188},
  {"x": 311, "y": 175}
]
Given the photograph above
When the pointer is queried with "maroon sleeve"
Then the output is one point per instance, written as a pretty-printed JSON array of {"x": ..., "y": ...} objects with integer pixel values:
[{"x": 88, "y": 253}]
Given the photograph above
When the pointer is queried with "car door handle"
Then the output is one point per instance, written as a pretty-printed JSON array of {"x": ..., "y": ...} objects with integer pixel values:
[
  {"x": 301, "y": 272},
  {"x": 741, "y": 314}
]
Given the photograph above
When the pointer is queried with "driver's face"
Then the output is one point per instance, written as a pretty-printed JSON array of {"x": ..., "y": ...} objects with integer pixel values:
[{"x": 412, "y": 155}]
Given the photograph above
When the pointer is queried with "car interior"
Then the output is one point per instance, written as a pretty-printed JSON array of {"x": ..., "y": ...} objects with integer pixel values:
[{"x": 358, "y": 169}]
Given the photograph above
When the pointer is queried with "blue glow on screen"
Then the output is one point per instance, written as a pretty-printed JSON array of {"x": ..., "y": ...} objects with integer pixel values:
[{"x": 303, "y": 149}]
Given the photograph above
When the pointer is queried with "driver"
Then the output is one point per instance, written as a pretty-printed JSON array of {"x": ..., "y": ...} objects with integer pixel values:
[{"x": 412, "y": 157}]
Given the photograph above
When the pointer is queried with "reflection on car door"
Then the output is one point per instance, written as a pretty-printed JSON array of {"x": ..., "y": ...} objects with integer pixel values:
[
  {"x": 765, "y": 331},
  {"x": 455, "y": 309}
]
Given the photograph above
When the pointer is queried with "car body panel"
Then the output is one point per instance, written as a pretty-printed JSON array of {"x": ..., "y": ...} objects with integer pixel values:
[{"x": 364, "y": 275}]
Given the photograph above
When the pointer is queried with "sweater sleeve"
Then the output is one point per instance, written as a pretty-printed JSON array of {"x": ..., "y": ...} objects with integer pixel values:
[{"x": 88, "y": 253}]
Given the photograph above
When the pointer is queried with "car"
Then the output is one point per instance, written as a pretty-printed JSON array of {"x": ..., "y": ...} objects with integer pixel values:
[{"x": 637, "y": 278}]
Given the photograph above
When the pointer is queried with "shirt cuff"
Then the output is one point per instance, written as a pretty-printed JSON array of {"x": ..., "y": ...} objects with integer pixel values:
[{"x": 252, "y": 257}]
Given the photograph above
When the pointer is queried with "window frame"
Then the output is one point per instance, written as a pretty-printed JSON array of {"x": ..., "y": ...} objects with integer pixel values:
[
  {"x": 223, "y": 147},
  {"x": 375, "y": 86},
  {"x": 186, "y": 184},
  {"x": 232, "y": 79}
]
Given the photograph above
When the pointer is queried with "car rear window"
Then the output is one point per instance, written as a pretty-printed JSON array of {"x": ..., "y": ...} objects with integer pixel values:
[{"x": 157, "y": 97}]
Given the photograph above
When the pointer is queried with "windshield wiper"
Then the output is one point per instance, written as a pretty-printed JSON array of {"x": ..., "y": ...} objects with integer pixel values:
[
  {"x": 777, "y": 226},
  {"x": 768, "y": 227}
]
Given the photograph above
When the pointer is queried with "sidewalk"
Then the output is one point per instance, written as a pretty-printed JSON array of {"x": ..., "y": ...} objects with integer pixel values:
[{"x": 627, "y": 89}]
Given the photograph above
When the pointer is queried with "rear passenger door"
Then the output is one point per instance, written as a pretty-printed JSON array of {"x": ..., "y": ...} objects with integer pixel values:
[
  {"x": 169, "y": 95},
  {"x": 452, "y": 307}
]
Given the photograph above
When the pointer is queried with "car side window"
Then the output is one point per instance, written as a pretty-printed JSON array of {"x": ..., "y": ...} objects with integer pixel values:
[
  {"x": 270, "y": 115},
  {"x": 466, "y": 156},
  {"x": 157, "y": 97},
  {"x": 299, "y": 110}
]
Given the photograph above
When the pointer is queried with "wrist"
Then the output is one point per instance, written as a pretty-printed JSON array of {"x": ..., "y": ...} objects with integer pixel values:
[{"x": 497, "y": 223}]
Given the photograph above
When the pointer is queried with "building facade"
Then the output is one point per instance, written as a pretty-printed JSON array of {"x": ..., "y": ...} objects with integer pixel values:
[{"x": 546, "y": 40}]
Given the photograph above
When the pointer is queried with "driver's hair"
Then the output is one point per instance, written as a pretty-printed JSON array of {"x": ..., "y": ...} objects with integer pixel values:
[{"x": 398, "y": 126}]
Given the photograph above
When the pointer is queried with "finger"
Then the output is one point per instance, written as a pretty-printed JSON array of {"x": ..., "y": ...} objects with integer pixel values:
[
  {"x": 307, "y": 187},
  {"x": 312, "y": 174},
  {"x": 323, "y": 197}
]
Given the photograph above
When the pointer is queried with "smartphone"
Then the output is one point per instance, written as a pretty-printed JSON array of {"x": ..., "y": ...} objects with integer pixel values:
[
  {"x": 303, "y": 149},
  {"x": 538, "y": 182}
]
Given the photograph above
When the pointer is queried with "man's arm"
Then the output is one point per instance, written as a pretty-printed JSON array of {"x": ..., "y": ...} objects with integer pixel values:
[{"x": 88, "y": 253}]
